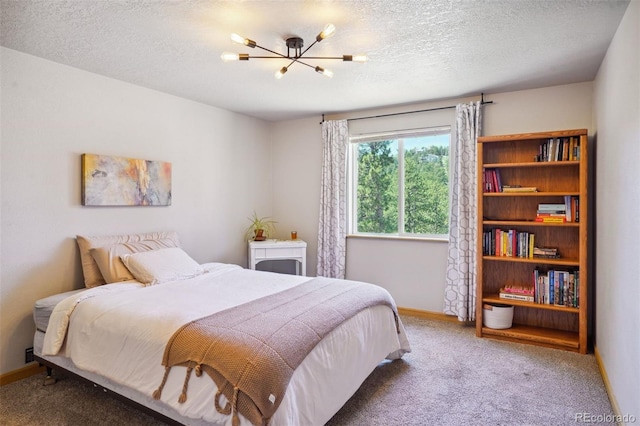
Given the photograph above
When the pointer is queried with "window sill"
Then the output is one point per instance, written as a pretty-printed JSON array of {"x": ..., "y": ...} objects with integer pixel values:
[{"x": 397, "y": 238}]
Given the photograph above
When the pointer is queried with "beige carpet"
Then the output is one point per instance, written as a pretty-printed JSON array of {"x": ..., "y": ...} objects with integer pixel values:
[{"x": 450, "y": 378}]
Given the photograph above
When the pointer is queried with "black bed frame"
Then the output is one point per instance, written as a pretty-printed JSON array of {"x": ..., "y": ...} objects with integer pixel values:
[{"x": 50, "y": 379}]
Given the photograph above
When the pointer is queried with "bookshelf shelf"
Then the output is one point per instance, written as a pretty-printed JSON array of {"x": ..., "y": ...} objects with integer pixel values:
[
  {"x": 535, "y": 260},
  {"x": 537, "y": 161},
  {"x": 536, "y": 164},
  {"x": 537, "y": 335},
  {"x": 528, "y": 194},
  {"x": 495, "y": 298},
  {"x": 511, "y": 223}
]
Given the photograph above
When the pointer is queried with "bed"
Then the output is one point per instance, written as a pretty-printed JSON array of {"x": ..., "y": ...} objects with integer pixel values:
[{"x": 116, "y": 333}]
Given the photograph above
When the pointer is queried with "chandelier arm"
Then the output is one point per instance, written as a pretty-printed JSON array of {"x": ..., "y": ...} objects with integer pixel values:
[
  {"x": 300, "y": 62},
  {"x": 269, "y": 57},
  {"x": 271, "y": 51},
  {"x": 290, "y": 57},
  {"x": 305, "y": 50},
  {"x": 323, "y": 57},
  {"x": 297, "y": 59}
]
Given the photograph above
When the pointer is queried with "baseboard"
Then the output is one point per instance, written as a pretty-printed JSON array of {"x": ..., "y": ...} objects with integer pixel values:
[
  {"x": 427, "y": 314},
  {"x": 607, "y": 384},
  {"x": 21, "y": 373}
]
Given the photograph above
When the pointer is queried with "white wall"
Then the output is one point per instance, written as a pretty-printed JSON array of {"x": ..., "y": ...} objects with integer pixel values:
[
  {"x": 297, "y": 163},
  {"x": 51, "y": 114},
  {"x": 617, "y": 125},
  {"x": 413, "y": 271}
]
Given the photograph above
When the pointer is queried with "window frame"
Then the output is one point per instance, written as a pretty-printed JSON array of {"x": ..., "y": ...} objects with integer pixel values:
[{"x": 352, "y": 164}]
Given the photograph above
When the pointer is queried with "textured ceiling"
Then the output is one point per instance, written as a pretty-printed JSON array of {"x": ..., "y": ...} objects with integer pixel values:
[{"x": 418, "y": 50}]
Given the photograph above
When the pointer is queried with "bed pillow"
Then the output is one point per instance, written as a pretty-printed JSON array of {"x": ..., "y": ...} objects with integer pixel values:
[
  {"x": 92, "y": 275},
  {"x": 163, "y": 265},
  {"x": 110, "y": 264}
]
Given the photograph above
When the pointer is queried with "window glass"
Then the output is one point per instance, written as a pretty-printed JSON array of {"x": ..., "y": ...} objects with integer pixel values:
[{"x": 400, "y": 183}]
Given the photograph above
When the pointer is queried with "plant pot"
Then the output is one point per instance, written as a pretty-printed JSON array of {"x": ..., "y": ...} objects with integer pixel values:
[{"x": 259, "y": 235}]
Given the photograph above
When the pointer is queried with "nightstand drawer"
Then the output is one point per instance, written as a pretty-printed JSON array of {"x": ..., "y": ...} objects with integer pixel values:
[{"x": 275, "y": 253}]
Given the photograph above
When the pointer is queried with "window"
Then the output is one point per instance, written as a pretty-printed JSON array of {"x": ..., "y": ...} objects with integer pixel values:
[{"x": 399, "y": 183}]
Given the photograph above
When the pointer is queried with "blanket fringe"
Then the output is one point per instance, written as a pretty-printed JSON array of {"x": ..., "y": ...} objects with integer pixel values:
[
  {"x": 227, "y": 408},
  {"x": 231, "y": 407},
  {"x": 183, "y": 395},
  {"x": 158, "y": 392},
  {"x": 234, "y": 407}
]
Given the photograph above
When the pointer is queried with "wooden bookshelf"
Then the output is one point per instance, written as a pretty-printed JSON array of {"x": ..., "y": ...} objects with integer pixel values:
[{"x": 517, "y": 158}]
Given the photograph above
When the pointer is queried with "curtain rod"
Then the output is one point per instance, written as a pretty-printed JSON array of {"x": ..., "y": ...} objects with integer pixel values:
[{"x": 482, "y": 102}]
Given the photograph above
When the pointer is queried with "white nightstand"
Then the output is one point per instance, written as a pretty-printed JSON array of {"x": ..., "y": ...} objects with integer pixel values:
[{"x": 279, "y": 250}]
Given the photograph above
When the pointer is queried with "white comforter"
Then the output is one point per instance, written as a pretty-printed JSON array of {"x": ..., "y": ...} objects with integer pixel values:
[{"x": 120, "y": 331}]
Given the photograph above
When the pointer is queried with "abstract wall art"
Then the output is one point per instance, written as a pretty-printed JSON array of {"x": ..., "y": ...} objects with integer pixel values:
[{"x": 121, "y": 181}]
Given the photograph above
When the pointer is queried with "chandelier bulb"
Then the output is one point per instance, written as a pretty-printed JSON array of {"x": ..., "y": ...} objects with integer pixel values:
[
  {"x": 327, "y": 32},
  {"x": 359, "y": 58},
  {"x": 281, "y": 72},
  {"x": 325, "y": 72},
  {"x": 228, "y": 57},
  {"x": 241, "y": 40}
]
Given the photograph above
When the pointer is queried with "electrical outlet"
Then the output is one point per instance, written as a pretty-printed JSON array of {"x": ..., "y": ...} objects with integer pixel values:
[{"x": 28, "y": 355}]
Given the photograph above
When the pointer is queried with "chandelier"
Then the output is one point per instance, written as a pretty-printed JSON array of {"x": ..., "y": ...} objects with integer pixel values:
[{"x": 294, "y": 52}]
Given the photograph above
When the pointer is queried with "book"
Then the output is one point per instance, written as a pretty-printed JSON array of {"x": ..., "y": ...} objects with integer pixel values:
[
  {"x": 494, "y": 180},
  {"x": 551, "y": 219},
  {"x": 513, "y": 296},
  {"x": 545, "y": 289},
  {"x": 498, "y": 180},
  {"x": 576, "y": 296},
  {"x": 516, "y": 188},
  {"x": 553, "y": 207}
]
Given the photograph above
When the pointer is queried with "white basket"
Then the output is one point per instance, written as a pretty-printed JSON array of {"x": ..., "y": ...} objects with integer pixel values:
[{"x": 496, "y": 315}]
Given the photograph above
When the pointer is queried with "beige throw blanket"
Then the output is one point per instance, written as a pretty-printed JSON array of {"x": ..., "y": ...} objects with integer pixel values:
[{"x": 251, "y": 350}]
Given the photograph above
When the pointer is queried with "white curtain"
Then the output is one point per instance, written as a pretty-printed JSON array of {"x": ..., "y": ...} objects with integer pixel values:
[
  {"x": 332, "y": 243},
  {"x": 460, "y": 289}
]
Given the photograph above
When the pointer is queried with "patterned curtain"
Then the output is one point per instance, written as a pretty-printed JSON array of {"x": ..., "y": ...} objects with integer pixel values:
[
  {"x": 460, "y": 289},
  {"x": 332, "y": 243}
]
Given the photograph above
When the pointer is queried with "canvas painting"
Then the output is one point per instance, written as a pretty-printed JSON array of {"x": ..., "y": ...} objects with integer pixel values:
[{"x": 121, "y": 181}]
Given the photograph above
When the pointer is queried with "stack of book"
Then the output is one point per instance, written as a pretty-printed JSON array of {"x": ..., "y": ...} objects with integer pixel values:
[
  {"x": 548, "y": 252},
  {"x": 515, "y": 292},
  {"x": 551, "y": 213}
]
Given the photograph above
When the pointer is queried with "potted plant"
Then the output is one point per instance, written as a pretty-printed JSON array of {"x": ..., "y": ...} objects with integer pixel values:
[{"x": 260, "y": 229}]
